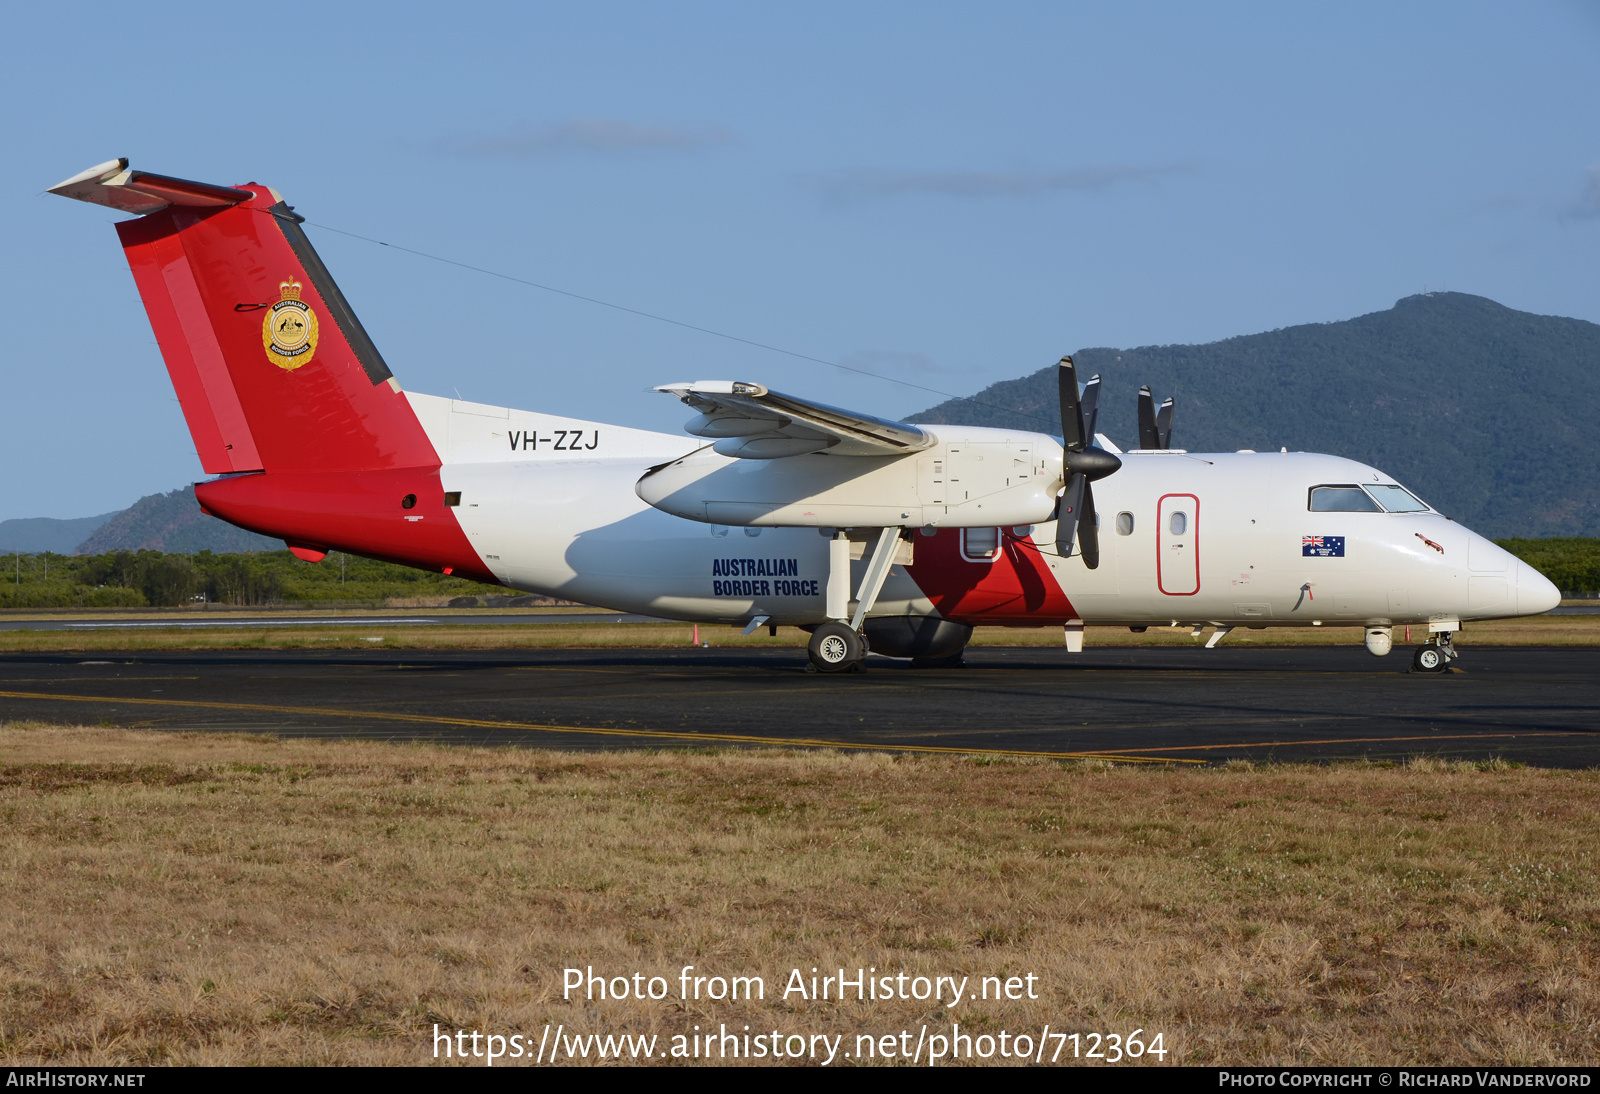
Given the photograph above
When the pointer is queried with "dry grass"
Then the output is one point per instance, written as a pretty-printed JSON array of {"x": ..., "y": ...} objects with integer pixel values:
[
  {"x": 207, "y": 899},
  {"x": 353, "y": 633}
]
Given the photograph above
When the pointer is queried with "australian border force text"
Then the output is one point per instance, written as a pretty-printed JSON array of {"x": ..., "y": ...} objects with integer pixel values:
[{"x": 749, "y": 572}]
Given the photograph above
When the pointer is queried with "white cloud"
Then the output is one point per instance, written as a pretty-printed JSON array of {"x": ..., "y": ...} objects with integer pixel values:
[{"x": 596, "y": 135}]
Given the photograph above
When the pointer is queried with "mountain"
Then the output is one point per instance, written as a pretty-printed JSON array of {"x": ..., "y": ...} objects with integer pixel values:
[
  {"x": 172, "y": 522},
  {"x": 34, "y": 535},
  {"x": 1486, "y": 412}
]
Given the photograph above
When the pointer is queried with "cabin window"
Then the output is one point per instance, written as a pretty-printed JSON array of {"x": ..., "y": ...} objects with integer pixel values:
[
  {"x": 1342, "y": 499},
  {"x": 1397, "y": 499},
  {"x": 1124, "y": 524},
  {"x": 980, "y": 544},
  {"x": 1178, "y": 522}
]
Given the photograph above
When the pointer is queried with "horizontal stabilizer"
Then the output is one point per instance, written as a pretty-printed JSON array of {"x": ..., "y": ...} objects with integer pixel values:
[
  {"x": 751, "y": 422},
  {"x": 112, "y": 184}
]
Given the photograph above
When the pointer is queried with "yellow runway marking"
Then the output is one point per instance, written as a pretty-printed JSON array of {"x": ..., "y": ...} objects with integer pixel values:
[{"x": 527, "y": 727}]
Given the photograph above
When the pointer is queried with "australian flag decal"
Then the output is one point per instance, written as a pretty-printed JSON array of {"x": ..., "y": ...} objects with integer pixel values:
[{"x": 1322, "y": 546}]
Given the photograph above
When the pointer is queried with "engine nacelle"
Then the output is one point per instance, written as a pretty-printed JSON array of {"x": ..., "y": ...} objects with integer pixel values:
[{"x": 971, "y": 478}]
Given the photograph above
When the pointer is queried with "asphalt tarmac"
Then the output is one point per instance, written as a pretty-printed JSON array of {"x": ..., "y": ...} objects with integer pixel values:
[{"x": 1537, "y": 706}]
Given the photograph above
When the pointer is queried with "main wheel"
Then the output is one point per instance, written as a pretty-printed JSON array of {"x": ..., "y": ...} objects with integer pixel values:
[
  {"x": 836, "y": 648},
  {"x": 1429, "y": 659}
]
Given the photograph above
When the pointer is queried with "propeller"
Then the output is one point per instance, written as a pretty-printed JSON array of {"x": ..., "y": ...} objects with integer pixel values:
[
  {"x": 1082, "y": 462},
  {"x": 1155, "y": 428}
]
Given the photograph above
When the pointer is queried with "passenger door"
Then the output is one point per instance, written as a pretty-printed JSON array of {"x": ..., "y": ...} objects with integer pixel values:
[{"x": 1177, "y": 544}]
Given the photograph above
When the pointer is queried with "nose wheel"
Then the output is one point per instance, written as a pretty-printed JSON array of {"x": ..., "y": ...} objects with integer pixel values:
[{"x": 1436, "y": 655}]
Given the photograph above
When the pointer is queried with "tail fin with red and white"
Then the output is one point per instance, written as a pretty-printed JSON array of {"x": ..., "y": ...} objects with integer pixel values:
[
  {"x": 275, "y": 373},
  {"x": 272, "y": 367}
]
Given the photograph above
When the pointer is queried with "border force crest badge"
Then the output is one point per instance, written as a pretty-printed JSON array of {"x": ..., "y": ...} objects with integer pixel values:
[{"x": 289, "y": 331}]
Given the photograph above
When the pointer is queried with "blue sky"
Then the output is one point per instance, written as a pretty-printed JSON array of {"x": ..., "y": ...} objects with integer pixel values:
[{"x": 939, "y": 194}]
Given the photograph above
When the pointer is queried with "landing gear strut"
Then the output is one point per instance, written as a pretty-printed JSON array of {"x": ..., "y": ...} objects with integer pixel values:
[
  {"x": 1436, "y": 655},
  {"x": 840, "y": 646}
]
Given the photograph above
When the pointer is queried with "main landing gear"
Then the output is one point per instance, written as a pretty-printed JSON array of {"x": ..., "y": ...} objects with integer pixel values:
[
  {"x": 1436, "y": 655},
  {"x": 837, "y": 648},
  {"x": 840, "y": 646},
  {"x": 842, "y": 643}
]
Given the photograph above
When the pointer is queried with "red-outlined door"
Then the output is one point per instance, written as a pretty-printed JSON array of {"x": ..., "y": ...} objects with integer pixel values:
[{"x": 1178, "y": 544}]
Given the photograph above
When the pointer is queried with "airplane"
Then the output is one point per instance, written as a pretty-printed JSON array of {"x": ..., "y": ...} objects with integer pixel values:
[{"x": 872, "y": 535}]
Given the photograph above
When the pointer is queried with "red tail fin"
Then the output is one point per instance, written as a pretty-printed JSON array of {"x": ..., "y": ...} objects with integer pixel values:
[
  {"x": 276, "y": 374},
  {"x": 271, "y": 366}
]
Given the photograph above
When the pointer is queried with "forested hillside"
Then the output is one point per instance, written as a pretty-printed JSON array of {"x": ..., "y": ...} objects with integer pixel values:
[
  {"x": 172, "y": 522},
  {"x": 1486, "y": 412}
]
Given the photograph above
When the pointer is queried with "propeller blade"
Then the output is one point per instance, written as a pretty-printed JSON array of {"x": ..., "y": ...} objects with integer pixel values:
[
  {"x": 1071, "y": 409},
  {"x": 1090, "y": 406},
  {"x": 1164, "y": 424},
  {"x": 1148, "y": 436},
  {"x": 1088, "y": 530},
  {"x": 1067, "y": 514}
]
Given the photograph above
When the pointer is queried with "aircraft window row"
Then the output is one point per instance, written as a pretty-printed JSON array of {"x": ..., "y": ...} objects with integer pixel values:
[{"x": 1350, "y": 498}]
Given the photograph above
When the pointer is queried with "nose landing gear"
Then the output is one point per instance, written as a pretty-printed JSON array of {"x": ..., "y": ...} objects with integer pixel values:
[{"x": 1436, "y": 655}]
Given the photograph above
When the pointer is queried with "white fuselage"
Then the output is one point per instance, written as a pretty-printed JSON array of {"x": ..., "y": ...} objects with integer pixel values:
[{"x": 549, "y": 505}]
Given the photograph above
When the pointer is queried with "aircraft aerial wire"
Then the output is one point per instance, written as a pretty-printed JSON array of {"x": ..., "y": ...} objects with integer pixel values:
[{"x": 673, "y": 322}]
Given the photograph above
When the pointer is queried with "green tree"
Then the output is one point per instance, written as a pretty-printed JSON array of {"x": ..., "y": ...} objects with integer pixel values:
[{"x": 169, "y": 581}]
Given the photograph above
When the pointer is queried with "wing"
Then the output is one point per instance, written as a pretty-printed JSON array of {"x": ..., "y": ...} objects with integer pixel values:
[{"x": 750, "y": 422}]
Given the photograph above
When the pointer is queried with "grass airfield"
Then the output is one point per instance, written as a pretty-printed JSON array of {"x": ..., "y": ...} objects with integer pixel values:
[
  {"x": 205, "y": 899},
  {"x": 215, "y": 899}
]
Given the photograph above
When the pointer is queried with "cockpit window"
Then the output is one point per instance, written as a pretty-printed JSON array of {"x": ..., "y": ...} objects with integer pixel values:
[
  {"x": 1397, "y": 499},
  {"x": 1342, "y": 499}
]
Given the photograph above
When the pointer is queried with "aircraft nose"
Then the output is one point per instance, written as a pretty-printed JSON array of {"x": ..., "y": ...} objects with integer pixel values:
[{"x": 1535, "y": 593}]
